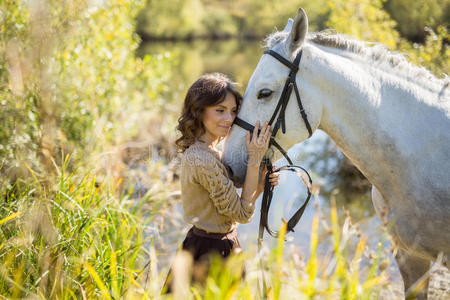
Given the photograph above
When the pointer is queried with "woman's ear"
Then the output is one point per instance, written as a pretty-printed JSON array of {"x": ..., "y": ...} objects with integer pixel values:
[{"x": 298, "y": 32}]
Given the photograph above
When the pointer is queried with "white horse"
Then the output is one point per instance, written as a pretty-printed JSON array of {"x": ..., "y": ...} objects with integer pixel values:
[{"x": 390, "y": 118}]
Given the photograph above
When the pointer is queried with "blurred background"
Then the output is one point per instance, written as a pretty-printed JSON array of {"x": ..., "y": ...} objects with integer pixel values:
[{"x": 90, "y": 93}]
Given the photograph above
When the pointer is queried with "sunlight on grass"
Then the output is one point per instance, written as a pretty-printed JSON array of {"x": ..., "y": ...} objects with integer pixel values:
[
  {"x": 338, "y": 275},
  {"x": 84, "y": 239}
]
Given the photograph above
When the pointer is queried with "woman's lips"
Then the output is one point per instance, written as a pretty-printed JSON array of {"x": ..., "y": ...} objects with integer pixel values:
[{"x": 225, "y": 127}]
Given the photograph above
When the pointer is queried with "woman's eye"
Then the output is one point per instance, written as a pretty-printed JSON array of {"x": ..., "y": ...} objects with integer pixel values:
[
  {"x": 219, "y": 110},
  {"x": 264, "y": 93}
]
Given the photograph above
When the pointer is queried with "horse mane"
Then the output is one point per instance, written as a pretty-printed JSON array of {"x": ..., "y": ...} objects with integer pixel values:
[{"x": 375, "y": 52}]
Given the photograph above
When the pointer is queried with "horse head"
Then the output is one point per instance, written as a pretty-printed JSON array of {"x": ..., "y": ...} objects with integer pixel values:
[{"x": 263, "y": 93}]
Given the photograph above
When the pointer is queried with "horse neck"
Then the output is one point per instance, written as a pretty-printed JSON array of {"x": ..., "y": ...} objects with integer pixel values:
[{"x": 365, "y": 112}]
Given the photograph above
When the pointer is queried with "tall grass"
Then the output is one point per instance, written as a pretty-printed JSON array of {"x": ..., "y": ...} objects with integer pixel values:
[
  {"x": 339, "y": 274},
  {"x": 86, "y": 239},
  {"x": 81, "y": 238}
]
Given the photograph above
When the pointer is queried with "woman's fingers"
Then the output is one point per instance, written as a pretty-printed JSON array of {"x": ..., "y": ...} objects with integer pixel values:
[
  {"x": 263, "y": 129},
  {"x": 274, "y": 181},
  {"x": 274, "y": 175},
  {"x": 264, "y": 135},
  {"x": 274, "y": 178},
  {"x": 257, "y": 144},
  {"x": 267, "y": 135}
]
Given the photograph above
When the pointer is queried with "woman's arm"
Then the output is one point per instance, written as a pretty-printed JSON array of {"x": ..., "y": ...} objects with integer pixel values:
[
  {"x": 208, "y": 172},
  {"x": 250, "y": 189}
]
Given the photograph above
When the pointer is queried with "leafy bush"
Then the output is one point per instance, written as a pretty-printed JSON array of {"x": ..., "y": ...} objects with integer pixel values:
[
  {"x": 434, "y": 53},
  {"x": 70, "y": 82},
  {"x": 366, "y": 20},
  {"x": 413, "y": 17}
]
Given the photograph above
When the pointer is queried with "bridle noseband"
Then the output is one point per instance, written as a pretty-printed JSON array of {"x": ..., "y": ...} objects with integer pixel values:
[{"x": 280, "y": 110}]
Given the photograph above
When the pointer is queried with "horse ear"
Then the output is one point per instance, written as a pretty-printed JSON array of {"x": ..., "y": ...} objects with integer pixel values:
[
  {"x": 298, "y": 31},
  {"x": 289, "y": 24}
]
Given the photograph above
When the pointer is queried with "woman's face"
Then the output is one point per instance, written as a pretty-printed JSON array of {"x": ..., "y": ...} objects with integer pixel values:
[{"x": 218, "y": 119}]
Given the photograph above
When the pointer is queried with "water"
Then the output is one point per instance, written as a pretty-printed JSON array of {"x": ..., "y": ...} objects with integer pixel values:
[
  {"x": 235, "y": 58},
  {"x": 238, "y": 59}
]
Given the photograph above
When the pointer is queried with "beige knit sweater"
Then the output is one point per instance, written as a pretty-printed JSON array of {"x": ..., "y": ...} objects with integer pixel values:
[{"x": 210, "y": 200}]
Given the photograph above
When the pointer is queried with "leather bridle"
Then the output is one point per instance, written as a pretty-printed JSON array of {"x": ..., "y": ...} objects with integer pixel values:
[{"x": 280, "y": 110}]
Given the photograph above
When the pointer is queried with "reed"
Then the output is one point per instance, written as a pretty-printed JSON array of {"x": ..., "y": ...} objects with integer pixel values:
[
  {"x": 76, "y": 238},
  {"x": 85, "y": 239},
  {"x": 337, "y": 275}
]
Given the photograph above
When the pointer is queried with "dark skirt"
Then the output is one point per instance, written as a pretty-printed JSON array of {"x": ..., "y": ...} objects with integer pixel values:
[{"x": 201, "y": 245}]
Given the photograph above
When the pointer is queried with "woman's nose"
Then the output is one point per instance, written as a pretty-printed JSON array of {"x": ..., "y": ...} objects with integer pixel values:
[{"x": 229, "y": 117}]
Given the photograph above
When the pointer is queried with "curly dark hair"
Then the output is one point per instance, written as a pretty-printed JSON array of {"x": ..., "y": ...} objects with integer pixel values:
[{"x": 208, "y": 90}]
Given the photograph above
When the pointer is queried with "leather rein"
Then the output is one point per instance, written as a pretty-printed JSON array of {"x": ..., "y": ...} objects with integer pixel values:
[{"x": 280, "y": 110}]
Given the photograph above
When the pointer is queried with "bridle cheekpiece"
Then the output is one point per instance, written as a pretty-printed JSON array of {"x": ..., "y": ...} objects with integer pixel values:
[{"x": 280, "y": 111}]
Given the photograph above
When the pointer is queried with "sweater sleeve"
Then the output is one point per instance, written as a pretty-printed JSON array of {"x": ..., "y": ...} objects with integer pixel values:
[{"x": 222, "y": 191}]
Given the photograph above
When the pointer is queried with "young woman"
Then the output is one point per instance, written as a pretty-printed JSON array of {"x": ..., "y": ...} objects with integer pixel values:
[{"x": 210, "y": 200}]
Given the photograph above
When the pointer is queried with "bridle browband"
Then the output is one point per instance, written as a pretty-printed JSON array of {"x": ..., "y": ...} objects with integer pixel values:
[{"x": 280, "y": 110}]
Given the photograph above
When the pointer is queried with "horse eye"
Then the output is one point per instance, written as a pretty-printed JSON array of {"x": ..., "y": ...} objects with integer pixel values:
[{"x": 264, "y": 93}]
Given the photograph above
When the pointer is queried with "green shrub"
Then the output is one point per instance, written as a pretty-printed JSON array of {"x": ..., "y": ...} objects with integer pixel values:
[
  {"x": 70, "y": 82},
  {"x": 412, "y": 17}
]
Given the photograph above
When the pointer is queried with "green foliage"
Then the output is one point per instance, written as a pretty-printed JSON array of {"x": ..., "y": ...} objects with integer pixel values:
[
  {"x": 176, "y": 18},
  {"x": 363, "y": 19},
  {"x": 434, "y": 53},
  {"x": 211, "y": 18},
  {"x": 384, "y": 21},
  {"x": 366, "y": 20},
  {"x": 60, "y": 243},
  {"x": 81, "y": 239},
  {"x": 413, "y": 17},
  {"x": 69, "y": 81}
]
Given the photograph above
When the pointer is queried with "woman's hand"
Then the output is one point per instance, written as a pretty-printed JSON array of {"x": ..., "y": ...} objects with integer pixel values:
[
  {"x": 274, "y": 179},
  {"x": 257, "y": 145}
]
